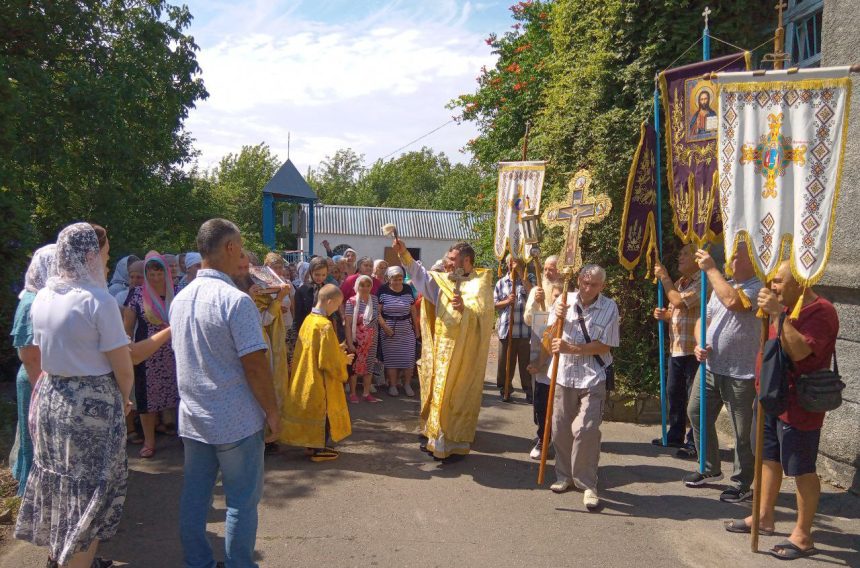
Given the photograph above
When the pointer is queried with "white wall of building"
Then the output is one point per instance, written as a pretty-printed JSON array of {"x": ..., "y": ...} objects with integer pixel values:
[{"x": 431, "y": 250}]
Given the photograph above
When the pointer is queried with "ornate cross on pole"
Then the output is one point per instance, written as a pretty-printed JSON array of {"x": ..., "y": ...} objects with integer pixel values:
[
  {"x": 582, "y": 210},
  {"x": 457, "y": 277},
  {"x": 706, "y": 13}
]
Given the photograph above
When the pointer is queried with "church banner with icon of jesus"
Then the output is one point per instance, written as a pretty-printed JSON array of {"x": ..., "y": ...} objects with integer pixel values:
[
  {"x": 518, "y": 192},
  {"x": 781, "y": 141},
  {"x": 689, "y": 104}
]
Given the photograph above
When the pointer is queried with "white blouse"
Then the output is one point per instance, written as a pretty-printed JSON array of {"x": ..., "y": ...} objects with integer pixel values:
[{"x": 75, "y": 329}]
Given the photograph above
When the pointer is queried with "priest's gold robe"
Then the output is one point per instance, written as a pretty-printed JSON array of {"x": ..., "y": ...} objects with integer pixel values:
[
  {"x": 315, "y": 391},
  {"x": 453, "y": 357},
  {"x": 275, "y": 333}
]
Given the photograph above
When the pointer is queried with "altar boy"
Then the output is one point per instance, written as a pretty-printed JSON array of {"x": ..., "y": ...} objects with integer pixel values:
[{"x": 315, "y": 408}]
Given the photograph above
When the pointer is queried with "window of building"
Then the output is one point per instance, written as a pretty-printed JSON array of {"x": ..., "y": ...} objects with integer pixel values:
[
  {"x": 803, "y": 32},
  {"x": 393, "y": 260}
]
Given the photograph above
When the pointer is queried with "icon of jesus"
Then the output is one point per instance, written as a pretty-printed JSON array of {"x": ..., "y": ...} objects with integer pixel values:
[{"x": 699, "y": 122}]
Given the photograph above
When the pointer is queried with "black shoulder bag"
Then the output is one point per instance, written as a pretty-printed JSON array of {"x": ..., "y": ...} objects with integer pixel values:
[
  {"x": 773, "y": 377},
  {"x": 609, "y": 370},
  {"x": 820, "y": 391}
]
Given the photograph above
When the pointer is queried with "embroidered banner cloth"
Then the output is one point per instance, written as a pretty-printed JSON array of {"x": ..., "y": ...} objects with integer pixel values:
[
  {"x": 519, "y": 191},
  {"x": 781, "y": 142},
  {"x": 638, "y": 223},
  {"x": 689, "y": 105}
]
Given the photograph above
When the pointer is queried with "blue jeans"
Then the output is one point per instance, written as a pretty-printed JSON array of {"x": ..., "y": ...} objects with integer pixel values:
[{"x": 241, "y": 465}]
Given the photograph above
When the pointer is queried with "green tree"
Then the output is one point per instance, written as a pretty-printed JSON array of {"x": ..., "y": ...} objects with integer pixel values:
[
  {"x": 237, "y": 183},
  {"x": 335, "y": 180},
  {"x": 593, "y": 65},
  {"x": 93, "y": 95}
]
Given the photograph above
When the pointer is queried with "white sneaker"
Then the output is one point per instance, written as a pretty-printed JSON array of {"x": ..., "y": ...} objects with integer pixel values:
[
  {"x": 560, "y": 486},
  {"x": 590, "y": 500},
  {"x": 535, "y": 453},
  {"x": 407, "y": 388},
  {"x": 392, "y": 391}
]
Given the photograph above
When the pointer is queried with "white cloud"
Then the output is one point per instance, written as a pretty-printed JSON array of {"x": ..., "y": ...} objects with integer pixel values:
[{"x": 372, "y": 84}]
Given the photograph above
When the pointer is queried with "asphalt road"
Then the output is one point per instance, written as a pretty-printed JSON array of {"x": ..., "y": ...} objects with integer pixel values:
[{"x": 383, "y": 503}]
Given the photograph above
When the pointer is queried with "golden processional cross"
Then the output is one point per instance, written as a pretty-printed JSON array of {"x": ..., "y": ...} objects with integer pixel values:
[
  {"x": 582, "y": 210},
  {"x": 773, "y": 154}
]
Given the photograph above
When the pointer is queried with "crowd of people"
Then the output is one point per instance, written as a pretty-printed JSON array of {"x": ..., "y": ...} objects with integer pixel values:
[{"x": 195, "y": 344}]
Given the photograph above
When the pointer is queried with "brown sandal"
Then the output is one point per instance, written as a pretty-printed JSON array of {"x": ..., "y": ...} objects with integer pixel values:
[{"x": 146, "y": 452}]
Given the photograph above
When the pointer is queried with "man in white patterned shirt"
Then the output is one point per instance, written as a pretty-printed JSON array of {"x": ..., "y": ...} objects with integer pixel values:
[{"x": 580, "y": 390}]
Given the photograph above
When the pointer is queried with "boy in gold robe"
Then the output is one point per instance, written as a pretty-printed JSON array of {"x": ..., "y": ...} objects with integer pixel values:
[{"x": 315, "y": 406}]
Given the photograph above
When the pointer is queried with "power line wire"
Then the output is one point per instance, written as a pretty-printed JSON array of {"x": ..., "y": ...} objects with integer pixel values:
[{"x": 440, "y": 127}]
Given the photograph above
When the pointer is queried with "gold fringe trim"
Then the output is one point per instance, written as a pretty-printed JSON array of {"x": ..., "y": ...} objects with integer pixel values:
[
  {"x": 795, "y": 313},
  {"x": 754, "y": 86},
  {"x": 745, "y": 300}
]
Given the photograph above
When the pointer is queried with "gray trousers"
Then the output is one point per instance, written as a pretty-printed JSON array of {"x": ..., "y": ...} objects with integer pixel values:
[
  {"x": 738, "y": 395},
  {"x": 576, "y": 418}
]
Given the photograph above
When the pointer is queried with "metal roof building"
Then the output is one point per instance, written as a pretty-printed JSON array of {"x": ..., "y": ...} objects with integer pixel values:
[
  {"x": 350, "y": 220},
  {"x": 428, "y": 234}
]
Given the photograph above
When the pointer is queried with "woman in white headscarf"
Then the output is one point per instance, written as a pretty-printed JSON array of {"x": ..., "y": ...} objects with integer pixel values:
[
  {"x": 77, "y": 485},
  {"x": 362, "y": 331},
  {"x": 42, "y": 267},
  {"x": 120, "y": 279}
]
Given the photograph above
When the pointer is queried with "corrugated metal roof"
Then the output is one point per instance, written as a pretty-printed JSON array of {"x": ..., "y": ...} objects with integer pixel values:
[{"x": 411, "y": 223}]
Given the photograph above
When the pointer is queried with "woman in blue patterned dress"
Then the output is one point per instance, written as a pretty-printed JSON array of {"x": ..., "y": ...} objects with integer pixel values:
[
  {"x": 76, "y": 489},
  {"x": 41, "y": 268},
  {"x": 398, "y": 323}
]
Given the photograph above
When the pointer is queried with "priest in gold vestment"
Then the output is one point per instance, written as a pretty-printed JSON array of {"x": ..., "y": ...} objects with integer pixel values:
[{"x": 456, "y": 323}]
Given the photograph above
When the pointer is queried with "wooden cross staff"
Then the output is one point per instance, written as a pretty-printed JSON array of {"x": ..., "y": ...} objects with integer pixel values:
[{"x": 557, "y": 330}]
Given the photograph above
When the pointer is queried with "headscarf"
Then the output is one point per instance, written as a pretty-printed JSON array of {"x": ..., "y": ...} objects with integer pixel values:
[
  {"x": 394, "y": 271},
  {"x": 42, "y": 266},
  {"x": 155, "y": 309},
  {"x": 119, "y": 280},
  {"x": 302, "y": 272},
  {"x": 192, "y": 258},
  {"x": 368, "y": 308},
  {"x": 79, "y": 262}
]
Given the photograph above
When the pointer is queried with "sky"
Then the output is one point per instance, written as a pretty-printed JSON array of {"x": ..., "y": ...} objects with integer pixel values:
[{"x": 361, "y": 74}]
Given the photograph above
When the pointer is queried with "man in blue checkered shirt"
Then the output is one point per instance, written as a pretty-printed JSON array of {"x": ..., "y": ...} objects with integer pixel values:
[{"x": 503, "y": 298}]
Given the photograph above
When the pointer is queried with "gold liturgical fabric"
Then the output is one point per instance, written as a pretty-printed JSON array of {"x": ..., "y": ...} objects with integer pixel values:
[
  {"x": 316, "y": 387},
  {"x": 453, "y": 362}
]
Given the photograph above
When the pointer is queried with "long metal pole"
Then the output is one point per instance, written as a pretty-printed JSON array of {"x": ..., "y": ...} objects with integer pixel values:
[
  {"x": 661, "y": 324},
  {"x": 703, "y": 329}
]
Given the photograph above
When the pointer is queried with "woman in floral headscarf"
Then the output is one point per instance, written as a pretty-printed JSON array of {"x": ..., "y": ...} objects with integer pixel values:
[
  {"x": 42, "y": 267},
  {"x": 155, "y": 385}
]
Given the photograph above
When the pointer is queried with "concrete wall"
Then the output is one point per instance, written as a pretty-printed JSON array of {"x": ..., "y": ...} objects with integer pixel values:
[
  {"x": 431, "y": 250},
  {"x": 840, "y": 440}
]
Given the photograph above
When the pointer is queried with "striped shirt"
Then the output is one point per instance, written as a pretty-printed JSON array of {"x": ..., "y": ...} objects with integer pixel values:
[
  {"x": 601, "y": 321},
  {"x": 683, "y": 325},
  {"x": 502, "y": 291}
]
